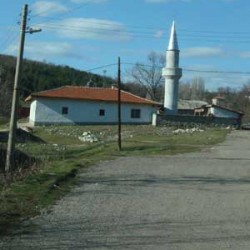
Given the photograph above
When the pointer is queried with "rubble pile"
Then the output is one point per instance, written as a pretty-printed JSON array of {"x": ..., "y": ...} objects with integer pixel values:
[
  {"x": 88, "y": 137},
  {"x": 187, "y": 131}
]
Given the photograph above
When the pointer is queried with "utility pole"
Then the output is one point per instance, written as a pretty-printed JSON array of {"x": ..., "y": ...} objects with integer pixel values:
[
  {"x": 119, "y": 104},
  {"x": 13, "y": 118}
]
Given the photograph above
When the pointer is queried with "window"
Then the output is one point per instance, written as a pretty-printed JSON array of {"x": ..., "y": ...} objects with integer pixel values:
[
  {"x": 135, "y": 113},
  {"x": 65, "y": 110},
  {"x": 102, "y": 112}
]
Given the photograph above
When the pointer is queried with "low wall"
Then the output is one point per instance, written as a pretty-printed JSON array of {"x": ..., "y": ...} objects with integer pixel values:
[{"x": 161, "y": 120}]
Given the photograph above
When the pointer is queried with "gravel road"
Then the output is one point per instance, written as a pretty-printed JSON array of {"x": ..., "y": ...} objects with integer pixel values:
[{"x": 191, "y": 201}]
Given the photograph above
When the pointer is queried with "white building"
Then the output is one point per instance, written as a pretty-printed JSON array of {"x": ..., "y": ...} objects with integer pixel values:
[
  {"x": 84, "y": 105},
  {"x": 218, "y": 111}
]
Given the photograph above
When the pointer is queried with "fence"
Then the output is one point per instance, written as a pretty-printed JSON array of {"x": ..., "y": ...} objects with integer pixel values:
[{"x": 161, "y": 120}]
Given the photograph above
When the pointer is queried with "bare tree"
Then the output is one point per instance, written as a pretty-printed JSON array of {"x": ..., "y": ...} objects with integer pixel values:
[
  {"x": 150, "y": 75},
  {"x": 192, "y": 90},
  {"x": 185, "y": 91},
  {"x": 197, "y": 88}
]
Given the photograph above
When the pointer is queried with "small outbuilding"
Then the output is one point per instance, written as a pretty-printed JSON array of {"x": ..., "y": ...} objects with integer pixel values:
[
  {"x": 85, "y": 105},
  {"x": 187, "y": 107},
  {"x": 214, "y": 110}
]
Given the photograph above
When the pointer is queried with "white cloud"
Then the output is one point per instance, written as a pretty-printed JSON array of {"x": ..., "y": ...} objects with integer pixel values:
[
  {"x": 174, "y": 1},
  {"x": 158, "y": 34},
  {"x": 90, "y": 28},
  {"x": 49, "y": 50},
  {"x": 245, "y": 54},
  {"x": 46, "y": 8},
  {"x": 89, "y": 1},
  {"x": 165, "y": 1},
  {"x": 213, "y": 76},
  {"x": 201, "y": 52}
]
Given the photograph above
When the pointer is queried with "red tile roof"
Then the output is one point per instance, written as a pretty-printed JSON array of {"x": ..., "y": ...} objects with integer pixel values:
[{"x": 91, "y": 94}]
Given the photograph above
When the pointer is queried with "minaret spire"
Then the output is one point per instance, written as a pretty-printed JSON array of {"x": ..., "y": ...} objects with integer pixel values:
[
  {"x": 173, "y": 43},
  {"x": 172, "y": 73}
]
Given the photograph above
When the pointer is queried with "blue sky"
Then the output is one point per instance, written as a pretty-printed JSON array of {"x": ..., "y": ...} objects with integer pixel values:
[{"x": 213, "y": 35}]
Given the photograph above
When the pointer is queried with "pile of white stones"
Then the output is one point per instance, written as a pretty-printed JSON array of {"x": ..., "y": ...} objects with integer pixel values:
[
  {"x": 187, "y": 131},
  {"x": 88, "y": 137}
]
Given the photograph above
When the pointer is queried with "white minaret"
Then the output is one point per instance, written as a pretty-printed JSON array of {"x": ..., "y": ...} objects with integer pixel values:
[{"x": 172, "y": 73}]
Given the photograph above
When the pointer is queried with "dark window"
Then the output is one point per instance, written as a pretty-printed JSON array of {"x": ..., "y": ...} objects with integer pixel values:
[
  {"x": 102, "y": 112},
  {"x": 65, "y": 110},
  {"x": 135, "y": 113}
]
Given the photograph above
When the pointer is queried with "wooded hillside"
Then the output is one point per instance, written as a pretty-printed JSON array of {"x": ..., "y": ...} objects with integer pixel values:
[{"x": 38, "y": 76}]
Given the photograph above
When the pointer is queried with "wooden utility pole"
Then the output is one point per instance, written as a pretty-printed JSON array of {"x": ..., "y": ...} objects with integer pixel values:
[
  {"x": 13, "y": 118},
  {"x": 119, "y": 104}
]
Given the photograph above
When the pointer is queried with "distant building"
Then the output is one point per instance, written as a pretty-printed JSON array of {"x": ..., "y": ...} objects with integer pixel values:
[
  {"x": 187, "y": 107},
  {"x": 84, "y": 105},
  {"x": 213, "y": 110},
  {"x": 218, "y": 108},
  {"x": 218, "y": 100}
]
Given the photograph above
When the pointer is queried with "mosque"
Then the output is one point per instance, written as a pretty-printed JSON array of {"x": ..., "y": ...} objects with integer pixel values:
[{"x": 207, "y": 113}]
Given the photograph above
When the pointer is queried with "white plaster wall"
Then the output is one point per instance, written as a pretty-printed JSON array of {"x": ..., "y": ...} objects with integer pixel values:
[
  {"x": 172, "y": 58},
  {"x": 171, "y": 96},
  {"x": 47, "y": 111},
  {"x": 32, "y": 117},
  {"x": 218, "y": 112}
]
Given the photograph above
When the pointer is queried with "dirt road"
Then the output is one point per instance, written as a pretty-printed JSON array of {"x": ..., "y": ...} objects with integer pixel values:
[{"x": 193, "y": 201}]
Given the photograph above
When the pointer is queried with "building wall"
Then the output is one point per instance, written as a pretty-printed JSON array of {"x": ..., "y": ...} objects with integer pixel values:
[
  {"x": 218, "y": 112},
  {"x": 49, "y": 111}
]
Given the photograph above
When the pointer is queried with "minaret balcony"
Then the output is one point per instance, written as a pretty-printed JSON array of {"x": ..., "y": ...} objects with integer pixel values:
[{"x": 172, "y": 72}]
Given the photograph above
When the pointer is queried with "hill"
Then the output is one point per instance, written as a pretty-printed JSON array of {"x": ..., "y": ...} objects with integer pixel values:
[{"x": 38, "y": 76}]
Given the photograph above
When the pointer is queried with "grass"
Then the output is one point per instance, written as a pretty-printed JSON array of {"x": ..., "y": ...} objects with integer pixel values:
[
  {"x": 64, "y": 155},
  {"x": 3, "y": 122}
]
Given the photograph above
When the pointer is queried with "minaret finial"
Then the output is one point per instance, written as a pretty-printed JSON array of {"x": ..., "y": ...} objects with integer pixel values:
[{"x": 173, "y": 43}]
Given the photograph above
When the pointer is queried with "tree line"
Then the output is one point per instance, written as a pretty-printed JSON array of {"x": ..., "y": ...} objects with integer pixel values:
[
  {"x": 39, "y": 76},
  {"x": 145, "y": 80}
]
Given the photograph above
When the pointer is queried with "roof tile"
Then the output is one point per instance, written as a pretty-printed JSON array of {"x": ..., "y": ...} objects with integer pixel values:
[{"x": 91, "y": 94}]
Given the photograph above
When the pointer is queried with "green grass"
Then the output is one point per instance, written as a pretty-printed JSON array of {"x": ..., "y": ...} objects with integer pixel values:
[
  {"x": 64, "y": 155},
  {"x": 3, "y": 122}
]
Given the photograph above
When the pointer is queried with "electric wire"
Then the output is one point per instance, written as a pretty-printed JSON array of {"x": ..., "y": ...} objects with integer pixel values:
[
  {"x": 11, "y": 36},
  {"x": 227, "y": 72},
  {"x": 197, "y": 35},
  {"x": 47, "y": 19},
  {"x": 116, "y": 28}
]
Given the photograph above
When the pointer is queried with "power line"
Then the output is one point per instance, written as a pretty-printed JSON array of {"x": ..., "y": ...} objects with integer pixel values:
[
  {"x": 219, "y": 71},
  {"x": 60, "y": 16},
  {"x": 184, "y": 69},
  {"x": 117, "y": 28},
  {"x": 183, "y": 32},
  {"x": 148, "y": 31},
  {"x": 10, "y": 39},
  {"x": 101, "y": 67},
  {"x": 41, "y": 13},
  {"x": 11, "y": 36}
]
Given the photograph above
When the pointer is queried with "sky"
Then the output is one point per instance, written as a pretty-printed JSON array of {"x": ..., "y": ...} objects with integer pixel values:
[{"x": 90, "y": 35}]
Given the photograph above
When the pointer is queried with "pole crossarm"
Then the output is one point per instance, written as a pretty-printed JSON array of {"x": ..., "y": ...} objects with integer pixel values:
[{"x": 31, "y": 30}]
